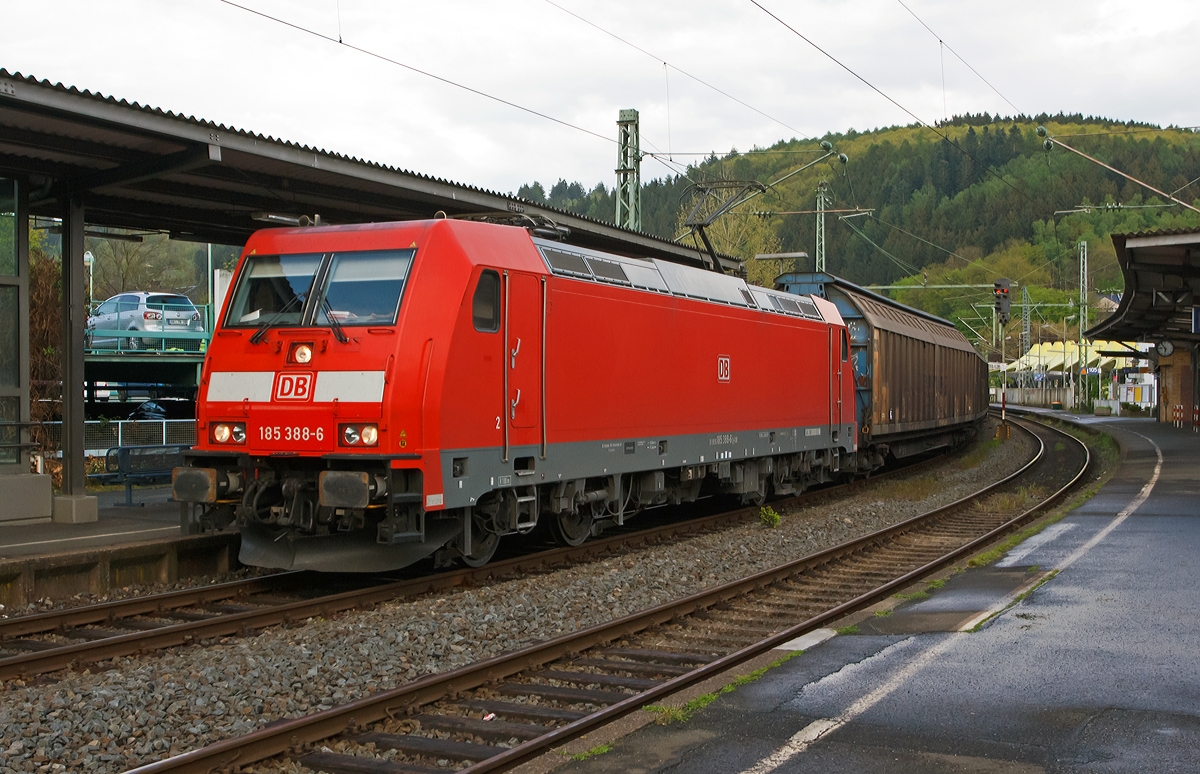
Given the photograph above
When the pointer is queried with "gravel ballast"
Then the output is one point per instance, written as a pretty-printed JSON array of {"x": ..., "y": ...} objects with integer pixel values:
[{"x": 142, "y": 709}]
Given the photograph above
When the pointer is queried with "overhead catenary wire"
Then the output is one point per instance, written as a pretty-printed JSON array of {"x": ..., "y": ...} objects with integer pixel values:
[
  {"x": 908, "y": 268},
  {"x": 743, "y": 153},
  {"x": 674, "y": 168},
  {"x": 677, "y": 69},
  {"x": 1186, "y": 185},
  {"x": 1055, "y": 141},
  {"x": 667, "y": 88},
  {"x": 419, "y": 71},
  {"x": 883, "y": 94},
  {"x": 941, "y": 42}
]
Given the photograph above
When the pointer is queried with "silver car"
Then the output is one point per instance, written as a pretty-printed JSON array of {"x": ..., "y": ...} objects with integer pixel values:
[{"x": 142, "y": 311}]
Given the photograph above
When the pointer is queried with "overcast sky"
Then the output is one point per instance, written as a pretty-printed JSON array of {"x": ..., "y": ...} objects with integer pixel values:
[{"x": 1124, "y": 60}]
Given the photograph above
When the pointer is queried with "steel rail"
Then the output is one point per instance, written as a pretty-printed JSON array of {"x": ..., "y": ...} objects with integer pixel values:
[
  {"x": 106, "y": 612},
  {"x": 174, "y": 635},
  {"x": 535, "y": 747},
  {"x": 291, "y": 735}
]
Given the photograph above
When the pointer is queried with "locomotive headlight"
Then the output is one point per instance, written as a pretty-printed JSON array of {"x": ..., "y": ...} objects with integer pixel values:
[
  {"x": 359, "y": 435},
  {"x": 301, "y": 353},
  {"x": 229, "y": 432}
]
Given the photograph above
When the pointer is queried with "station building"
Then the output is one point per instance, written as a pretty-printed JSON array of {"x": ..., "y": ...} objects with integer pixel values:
[{"x": 1159, "y": 305}]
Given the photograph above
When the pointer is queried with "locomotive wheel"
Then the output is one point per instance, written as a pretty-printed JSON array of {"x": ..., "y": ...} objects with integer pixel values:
[
  {"x": 484, "y": 542},
  {"x": 571, "y": 529}
]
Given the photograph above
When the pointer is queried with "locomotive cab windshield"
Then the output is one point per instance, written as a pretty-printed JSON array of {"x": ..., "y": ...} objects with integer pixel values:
[{"x": 354, "y": 288}]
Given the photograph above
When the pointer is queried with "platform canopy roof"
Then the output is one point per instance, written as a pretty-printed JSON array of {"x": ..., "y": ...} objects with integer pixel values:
[
  {"x": 138, "y": 167},
  {"x": 1065, "y": 356},
  {"x": 1162, "y": 275}
]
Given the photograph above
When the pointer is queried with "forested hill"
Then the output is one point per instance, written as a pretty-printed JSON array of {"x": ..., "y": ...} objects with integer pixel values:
[{"x": 987, "y": 198}]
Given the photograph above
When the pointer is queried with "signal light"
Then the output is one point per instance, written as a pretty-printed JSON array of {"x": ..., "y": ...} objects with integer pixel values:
[{"x": 1002, "y": 301}]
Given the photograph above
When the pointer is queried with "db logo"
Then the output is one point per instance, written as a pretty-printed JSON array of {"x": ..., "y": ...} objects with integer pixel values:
[
  {"x": 723, "y": 368},
  {"x": 294, "y": 386}
]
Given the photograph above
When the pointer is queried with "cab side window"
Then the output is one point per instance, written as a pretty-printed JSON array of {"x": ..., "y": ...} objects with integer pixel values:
[
  {"x": 485, "y": 306},
  {"x": 845, "y": 346}
]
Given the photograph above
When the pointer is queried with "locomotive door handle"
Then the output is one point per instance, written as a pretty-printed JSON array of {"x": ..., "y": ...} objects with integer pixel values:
[
  {"x": 513, "y": 353},
  {"x": 515, "y": 401}
]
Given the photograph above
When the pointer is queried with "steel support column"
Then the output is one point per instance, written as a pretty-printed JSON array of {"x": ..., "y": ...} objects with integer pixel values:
[
  {"x": 26, "y": 496},
  {"x": 73, "y": 506},
  {"x": 629, "y": 171}
]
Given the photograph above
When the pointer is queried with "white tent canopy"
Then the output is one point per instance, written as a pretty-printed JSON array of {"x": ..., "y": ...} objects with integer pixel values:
[{"x": 1065, "y": 356}]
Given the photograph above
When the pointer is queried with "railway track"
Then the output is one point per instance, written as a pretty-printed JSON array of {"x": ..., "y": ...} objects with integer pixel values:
[
  {"x": 47, "y": 642},
  {"x": 498, "y": 713}
]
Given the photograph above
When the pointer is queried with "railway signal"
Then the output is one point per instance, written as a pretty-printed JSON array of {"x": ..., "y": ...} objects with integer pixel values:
[{"x": 1003, "y": 302}]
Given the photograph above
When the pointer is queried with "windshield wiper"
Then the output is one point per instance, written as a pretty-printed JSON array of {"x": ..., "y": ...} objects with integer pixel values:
[
  {"x": 262, "y": 328},
  {"x": 333, "y": 323}
]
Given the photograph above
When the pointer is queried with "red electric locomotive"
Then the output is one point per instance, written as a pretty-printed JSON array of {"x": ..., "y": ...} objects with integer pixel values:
[{"x": 377, "y": 393}]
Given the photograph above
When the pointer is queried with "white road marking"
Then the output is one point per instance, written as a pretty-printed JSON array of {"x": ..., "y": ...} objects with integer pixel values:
[
  {"x": 810, "y": 640},
  {"x": 1136, "y": 503},
  {"x": 1032, "y": 544},
  {"x": 4, "y": 548},
  {"x": 820, "y": 728},
  {"x": 1003, "y": 602}
]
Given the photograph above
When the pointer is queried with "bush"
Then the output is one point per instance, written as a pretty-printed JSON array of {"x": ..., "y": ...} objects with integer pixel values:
[{"x": 768, "y": 516}]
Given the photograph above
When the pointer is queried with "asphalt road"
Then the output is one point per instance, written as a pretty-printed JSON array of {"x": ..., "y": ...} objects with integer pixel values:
[{"x": 1097, "y": 670}]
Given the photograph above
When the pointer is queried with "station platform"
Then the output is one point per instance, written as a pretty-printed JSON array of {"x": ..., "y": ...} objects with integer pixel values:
[
  {"x": 126, "y": 546},
  {"x": 1094, "y": 670},
  {"x": 156, "y": 518}
]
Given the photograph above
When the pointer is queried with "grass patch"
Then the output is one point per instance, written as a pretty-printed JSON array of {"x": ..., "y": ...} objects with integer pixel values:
[
  {"x": 844, "y": 630},
  {"x": 1021, "y": 500},
  {"x": 882, "y": 613},
  {"x": 1004, "y": 546},
  {"x": 682, "y": 714},
  {"x": 930, "y": 587},
  {"x": 914, "y": 489},
  {"x": 1105, "y": 448},
  {"x": 768, "y": 516},
  {"x": 977, "y": 454},
  {"x": 599, "y": 749}
]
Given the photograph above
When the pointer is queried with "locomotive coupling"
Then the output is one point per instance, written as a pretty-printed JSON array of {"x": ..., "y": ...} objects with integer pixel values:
[
  {"x": 204, "y": 485},
  {"x": 349, "y": 488}
]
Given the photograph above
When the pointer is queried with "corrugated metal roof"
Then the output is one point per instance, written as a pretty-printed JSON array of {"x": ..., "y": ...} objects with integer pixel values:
[
  {"x": 224, "y": 128},
  {"x": 1161, "y": 269},
  {"x": 1161, "y": 232},
  {"x": 68, "y": 106}
]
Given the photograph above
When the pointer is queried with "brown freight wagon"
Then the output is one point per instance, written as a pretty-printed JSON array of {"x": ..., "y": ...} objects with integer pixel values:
[{"x": 920, "y": 385}]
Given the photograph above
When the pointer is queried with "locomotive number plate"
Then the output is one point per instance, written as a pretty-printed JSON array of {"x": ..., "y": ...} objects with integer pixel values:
[
  {"x": 291, "y": 436},
  {"x": 290, "y": 431}
]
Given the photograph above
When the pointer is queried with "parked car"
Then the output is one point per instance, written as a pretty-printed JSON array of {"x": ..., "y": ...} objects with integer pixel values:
[
  {"x": 148, "y": 410},
  {"x": 143, "y": 311}
]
